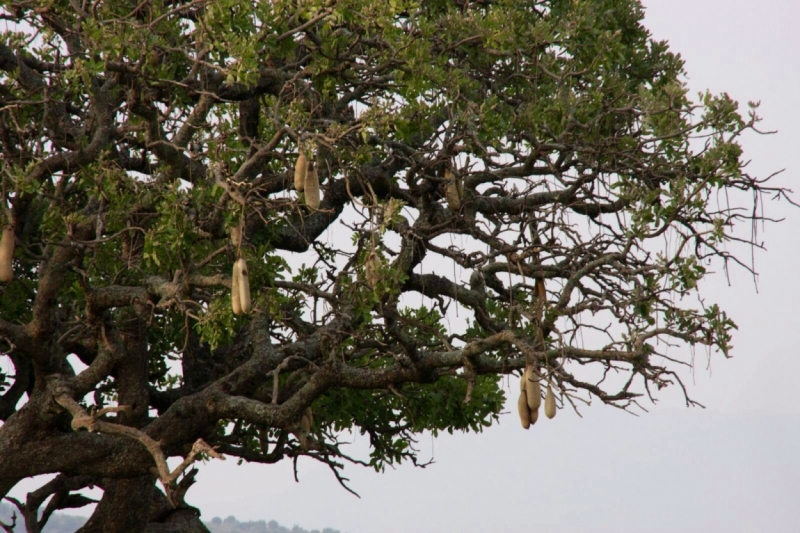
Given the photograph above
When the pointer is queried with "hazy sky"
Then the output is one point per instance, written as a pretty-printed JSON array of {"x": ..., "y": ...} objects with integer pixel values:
[{"x": 733, "y": 467}]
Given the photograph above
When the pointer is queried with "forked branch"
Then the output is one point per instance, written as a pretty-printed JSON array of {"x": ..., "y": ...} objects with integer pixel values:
[{"x": 81, "y": 419}]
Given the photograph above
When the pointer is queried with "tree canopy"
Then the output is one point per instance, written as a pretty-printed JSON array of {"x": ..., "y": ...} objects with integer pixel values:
[{"x": 493, "y": 187}]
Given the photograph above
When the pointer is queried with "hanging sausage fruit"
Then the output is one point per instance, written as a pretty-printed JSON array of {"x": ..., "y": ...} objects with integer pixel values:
[
  {"x": 300, "y": 172},
  {"x": 311, "y": 186},
  {"x": 242, "y": 280},
  {"x": 6, "y": 254}
]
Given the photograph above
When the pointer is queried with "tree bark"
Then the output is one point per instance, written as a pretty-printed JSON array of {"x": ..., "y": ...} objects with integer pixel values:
[
  {"x": 124, "y": 506},
  {"x": 137, "y": 506}
]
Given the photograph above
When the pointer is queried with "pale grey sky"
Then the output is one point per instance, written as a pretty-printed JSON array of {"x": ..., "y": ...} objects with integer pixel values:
[{"x": 731, "y": 468}]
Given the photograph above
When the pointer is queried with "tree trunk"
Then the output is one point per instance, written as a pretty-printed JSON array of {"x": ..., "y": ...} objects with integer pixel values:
[
  {"x": 125, "y": 506},
  {"x": 137, "y": 506}
]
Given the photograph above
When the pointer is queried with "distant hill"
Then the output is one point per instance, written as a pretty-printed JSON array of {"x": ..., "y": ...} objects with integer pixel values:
[
  {"x": 231, "y": 525},
  {"x": 65, "y": 523}
]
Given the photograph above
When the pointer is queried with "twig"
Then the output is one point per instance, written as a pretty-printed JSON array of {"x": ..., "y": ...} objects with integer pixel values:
[{"x": 83, "y": 420}]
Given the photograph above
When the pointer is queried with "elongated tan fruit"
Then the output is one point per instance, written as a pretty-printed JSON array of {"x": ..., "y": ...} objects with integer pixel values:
[
  {"x": 532, "y": 388},
  {"x": 240, "y": 270},
  {"x": 524, "y": 412},
  {"x": 6, "y": 254},
  {"x": 310, "y": 416},
  {"x": 534, "y": 416},
  {"x": 550, "y": 403},
  {"x": 305, "y": 423},
  {"x": 235, "y": 303},
  {"x": 453, "y": 190},
  {"x": 540, "y": 291},
  {"x": 300, "y": 172},
  {"x": 236, "y": 235},
  {"x": 373, "y": 269},
  {"x": 312, "y": 186}
]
